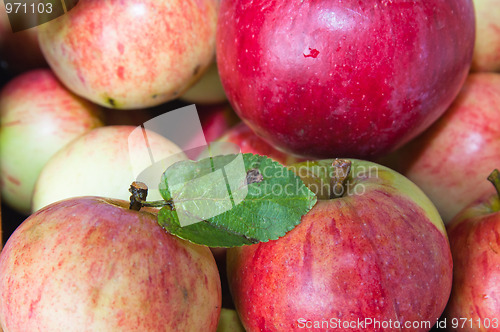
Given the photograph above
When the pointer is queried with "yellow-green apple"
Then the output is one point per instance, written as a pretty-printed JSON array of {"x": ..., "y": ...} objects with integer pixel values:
[
  {"x": 19, "y": 51},
  {"x": 38, "y": 117},
  {"x": 131, "y": 54},
  {"x": 475, "y": 246},
  {"x": 373, "y": 249},
  {"x": 104, "y": 162},
  {"x": 249, "y": 142},
  {"x": 450, "y": 161},
  {"x": 208, "y": 90},
  {"x": 324, "y": 79},
  {"x": 487, "y": 47},
  {"x": 91, "y": 264},
  {"x": 229, "y": 321}
]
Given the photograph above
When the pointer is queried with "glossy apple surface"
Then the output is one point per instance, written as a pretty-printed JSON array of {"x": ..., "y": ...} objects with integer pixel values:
[
  {"x": 450, "y": 161},
  {"x": 327, "y": 79},
  {"x": 379, "y": 252},
  {"x": 104, "y": 162},
  {"x": 487, "y": 47},
  {"x": 131, "y": 54},
  {"x": 475, "y": 246},
  {"x": 38, "y": 117},
  {"x": 91, "y": 264}
]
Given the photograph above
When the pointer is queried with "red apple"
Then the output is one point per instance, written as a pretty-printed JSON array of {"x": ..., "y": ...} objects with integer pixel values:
[
  {"x": 450, "y": 161},
  {"x": 104, "y": 162},
  {"x": 91, "y": 264},
  {"x": 249, "y": 142},
  {"x": 131, "y": 54},
  {"x": 19, "y": 51},
  {"x": 475, "y": 245},
  {"x": 38, "y": 117},
  {"x": 379, "y": 253},
  {"x": 487, "y": 47},
  {"x": 343, "y": 78}
]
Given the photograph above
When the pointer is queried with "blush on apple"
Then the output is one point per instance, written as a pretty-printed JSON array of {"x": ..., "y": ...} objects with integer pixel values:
[
  {"x": 352, "y": 78},
  {"x": 38, "y": 117},
  {"x": 450, "y": 161},
  {"x": 475, "y": 245},
  {"x": 378, "y": 251},
  {"x": 91, "y": 264},
  {"x": 104, "y": 162},
  {"x": 131, "y": 54}
]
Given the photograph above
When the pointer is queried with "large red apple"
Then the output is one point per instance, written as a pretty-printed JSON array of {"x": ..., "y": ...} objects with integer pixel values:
[
  {"x": 343, "y": 78},
  {"x": 450, "y": 161},
  {"x": 134, "y": 53},
  {"x": 38, "y": 117},
  {"x": 91, "y": 264},
  {"x": 475, "y": 245},
  {"x": 377, "y": 254}
]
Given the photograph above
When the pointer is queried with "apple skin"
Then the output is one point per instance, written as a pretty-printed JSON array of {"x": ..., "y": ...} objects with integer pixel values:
[
  {"x": 38, "y": 117},
  {"x": 381, "y": 254},
  {"x": 131, "y": 54},
  {"x": 249, "y": 142},
  {"x": 487, "y": 46},
  {"x": 99, "y": 164},
  {"x": 91, "y": 264},
  {"x": 450, "y": 161},
  {"x": 475, "y": 244},
  {"x": 323, "y": 79}
]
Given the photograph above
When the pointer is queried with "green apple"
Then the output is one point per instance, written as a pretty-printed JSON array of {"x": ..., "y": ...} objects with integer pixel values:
[
  {"x": 38, "y": 117},
  {"x": 104, "y": 162}
]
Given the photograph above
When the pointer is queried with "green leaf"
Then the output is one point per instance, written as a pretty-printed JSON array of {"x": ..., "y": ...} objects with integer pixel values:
[{"x": 232, "y": 200}]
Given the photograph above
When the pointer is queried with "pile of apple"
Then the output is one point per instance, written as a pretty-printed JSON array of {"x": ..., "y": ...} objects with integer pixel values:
[{"x": 411, "y": 85}]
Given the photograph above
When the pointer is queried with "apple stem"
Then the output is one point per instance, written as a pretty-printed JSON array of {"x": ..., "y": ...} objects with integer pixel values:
[
  {"x": 494, "y": 178},
  {"x": 139, "y": 193},
  {"x": 342, "y": 168}
]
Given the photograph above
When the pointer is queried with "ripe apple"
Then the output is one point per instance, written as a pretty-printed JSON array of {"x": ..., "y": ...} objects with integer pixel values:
[
  {"x": 475, "y": 246},
  {"x": 131, "y": 54},
  {"x": 91, "y": 264},
  {"x": 379, "y": 251},
  {"x": 104, "y": 162},
  {"x": 38, "y": 117},
  {"x": 323, "y": 79},
  {"x": 249, "y": 142},
  {"x": 487, "y": 47},
  {"x": 208, "y": 90},
  {"x": 19, "y": 51},
  {"x": 450, "y": 161}
]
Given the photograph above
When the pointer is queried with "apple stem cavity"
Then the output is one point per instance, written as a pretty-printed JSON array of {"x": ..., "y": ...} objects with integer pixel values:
[
  {"x": 139, "y": 191},
  {"x": 494, "y": 178},
  {"x": 338, "y": 180}
]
